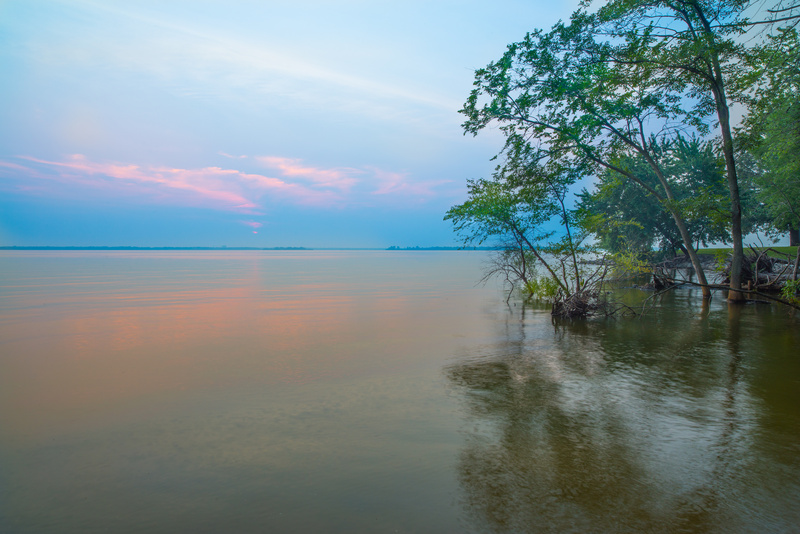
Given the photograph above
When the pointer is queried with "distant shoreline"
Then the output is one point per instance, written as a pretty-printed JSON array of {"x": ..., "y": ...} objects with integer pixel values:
[{"x": 127, "y": 248}]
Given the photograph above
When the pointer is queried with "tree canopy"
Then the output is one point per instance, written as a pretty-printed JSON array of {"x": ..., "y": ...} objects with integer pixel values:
[
  {"x": 568, "y": 97},
  {"x": 514, "y": 208},
  {"x": 627, "y": 219},
  {"x": 771, "y": 129},
  {"x": 631, "y": 94}
]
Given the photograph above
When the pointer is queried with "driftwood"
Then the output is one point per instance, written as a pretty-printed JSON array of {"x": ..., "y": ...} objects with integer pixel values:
[
  {"x": 754, "y": 292},
  {"x": 765, "y": 272},
  {"x": 591, "y": 300},
  {"x": 589, "y": 303},
  {"x": 763, "y": 277}
]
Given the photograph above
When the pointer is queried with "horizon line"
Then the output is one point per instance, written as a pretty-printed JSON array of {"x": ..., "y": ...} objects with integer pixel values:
[{"x": 225, "y": 247}]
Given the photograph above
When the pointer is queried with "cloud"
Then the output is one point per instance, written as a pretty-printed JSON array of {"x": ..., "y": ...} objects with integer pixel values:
[
  {"x": 337, "y": 178},
  {"x": 200, "y": 62},
  {"x": 13, "y": 166},
  {"x": 213, "y": 187},
  {"x": 294, "y": 183},
  {"x": 396, "y": 183},
  {"x": 374, "y": 182}
]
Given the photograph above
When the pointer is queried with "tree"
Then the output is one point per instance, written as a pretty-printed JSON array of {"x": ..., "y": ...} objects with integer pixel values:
[
  {"x": 616, "y": 74},
  {"x": 687, "y": 47},
  {"x": 771, "y": 129},
  {"x": 577, "y": 106},
  {"x": 626, "y": 218},
  {"x": 510, "y": 217},
  {"x": 516, "y": 208}
]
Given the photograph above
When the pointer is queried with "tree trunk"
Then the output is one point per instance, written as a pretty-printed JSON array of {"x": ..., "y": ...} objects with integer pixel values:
[
  {"x": 698, "y": 267},
  {"x": 670, "y": 205},
  {"x": 717, "y": 86},
  {"x": 794, "y": 237},
  {"x": 736, "y": 205}
]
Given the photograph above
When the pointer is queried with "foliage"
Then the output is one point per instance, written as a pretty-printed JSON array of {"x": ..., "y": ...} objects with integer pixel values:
[
  {"x": 495, "y": 209},
  {"x": 523, "y": 197},
  {"x": 609, "y": 89},
  {"x": 542, "y": 288},
  {"x": 689, "y": 47},
  {"x": 790, "y": 291},
  {"x": 513, "y": 207},
  {"x": 620, "y": 94},
  {"x": 626, "y": 218},
  {"x": 720, "y": 259},
  {"x": 627, "y": 264},
  {"x": 771, "y": 129}
]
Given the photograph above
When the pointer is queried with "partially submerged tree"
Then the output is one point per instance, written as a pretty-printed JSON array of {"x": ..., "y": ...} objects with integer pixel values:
[
  {"x": 517, "y": 209},
  {"x": 605, "y": 93},
  {"x": 686, "y": 48},
  {"x": 696, "y": 47},
  {"x": 563, "y": 93},
  {"x": 610, "y": 86}
]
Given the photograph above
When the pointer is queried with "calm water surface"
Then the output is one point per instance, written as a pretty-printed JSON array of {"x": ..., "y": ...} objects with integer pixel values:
[{"x": 378, "y": 392}]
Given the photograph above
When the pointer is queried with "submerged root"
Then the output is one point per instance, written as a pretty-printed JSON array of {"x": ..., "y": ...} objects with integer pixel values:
[
  {"x": 579, "y": 304},
  {"x": 589, "y": 303}
]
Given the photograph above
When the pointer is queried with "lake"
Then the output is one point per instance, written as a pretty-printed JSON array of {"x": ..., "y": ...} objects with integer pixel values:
[{"x": 378, "y": 391}]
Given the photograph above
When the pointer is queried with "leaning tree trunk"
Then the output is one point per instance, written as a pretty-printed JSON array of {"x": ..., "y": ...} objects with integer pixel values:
[
  {"x": 736, "y": 206},
  {"x": 670, "y": 204},
  {"x": 698, "y": 267},
  {"x": 717, "y": 85}
]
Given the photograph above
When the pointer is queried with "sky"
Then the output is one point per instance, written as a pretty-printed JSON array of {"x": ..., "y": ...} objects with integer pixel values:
[{"x": 244, "y": 123}]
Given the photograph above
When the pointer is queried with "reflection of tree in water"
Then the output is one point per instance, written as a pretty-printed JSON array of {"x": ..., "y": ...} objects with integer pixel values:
[{"x": 623, "y": 427}]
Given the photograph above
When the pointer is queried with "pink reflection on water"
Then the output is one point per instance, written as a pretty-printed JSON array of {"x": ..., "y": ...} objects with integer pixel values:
[{"x": 110, "y": 342}]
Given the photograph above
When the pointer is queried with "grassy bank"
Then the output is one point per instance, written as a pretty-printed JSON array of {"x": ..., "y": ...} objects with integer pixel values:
[{"x": 711, "y": 251}]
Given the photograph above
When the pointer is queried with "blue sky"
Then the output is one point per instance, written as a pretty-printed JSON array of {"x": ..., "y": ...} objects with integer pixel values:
[{"x": 244, "y": 123}]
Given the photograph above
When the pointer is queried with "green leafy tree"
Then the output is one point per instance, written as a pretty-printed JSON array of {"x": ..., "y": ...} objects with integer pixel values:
[
  {"x": 771, "y": 129},
  {"x": 567, "y": 95},
  {"x": 687, "y": 47},
  {"x": 517, "y": 210},
  {"x": 626, "y": 218},
  {"x": 514, "y": 217},
  {"x": 596, "y": 91}
]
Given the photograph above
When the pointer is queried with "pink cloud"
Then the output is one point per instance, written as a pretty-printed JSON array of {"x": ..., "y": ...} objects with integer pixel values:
[
  {"x": 337, "y": 178},
  {"x": 252, "y": 224},
  {"x": 13, "y": 166},
  {"x": 202, "y": 183},
  {"x": 396, "y": 183},
  {"x": 215, "y": 187},
  {"x": 343, "y": 178}
]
